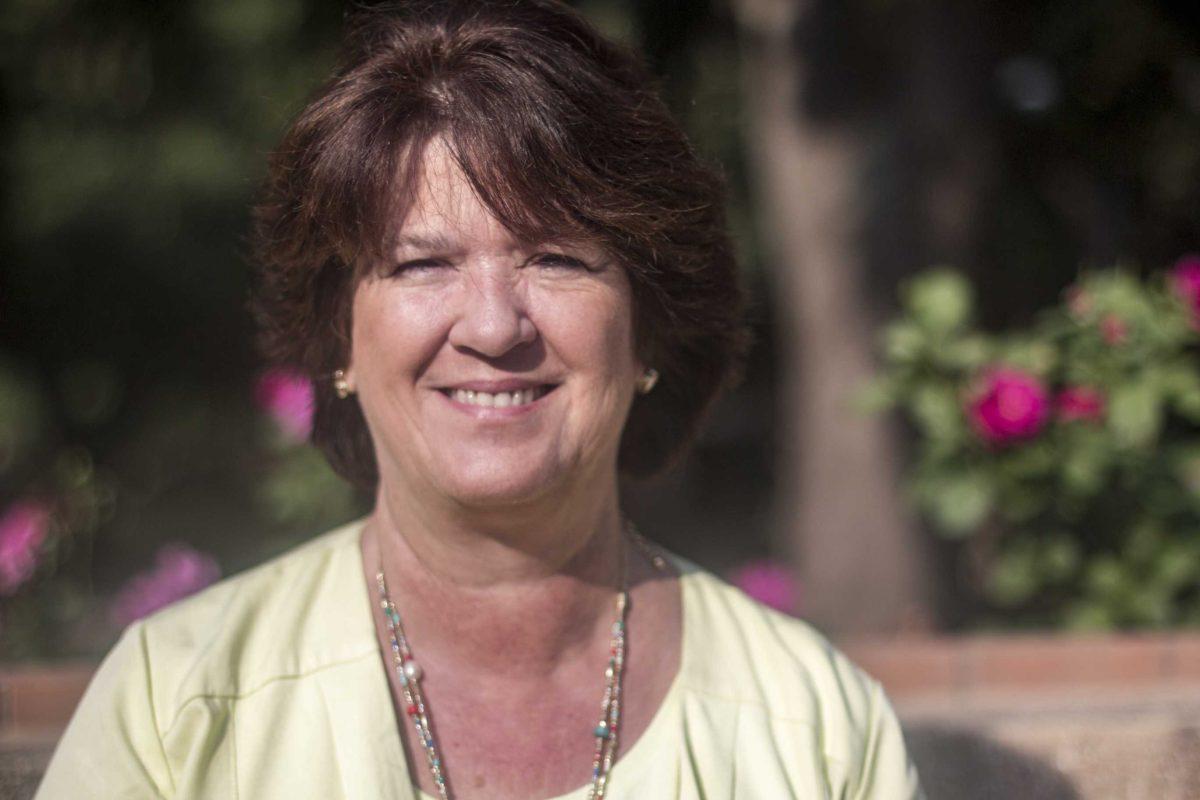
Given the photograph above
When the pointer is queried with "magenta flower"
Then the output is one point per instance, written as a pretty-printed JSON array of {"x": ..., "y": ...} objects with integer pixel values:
[
  {"x": 770, "y": 583},
  {"x": 1007, "y": 405},
  {"x": 288, "y": 397},
  {"x": 23, "y": 529},
  {"x": 1185, "y": 281},
  {"x": 1080, "y": 403},
  {"x": 178, "y": 571}
]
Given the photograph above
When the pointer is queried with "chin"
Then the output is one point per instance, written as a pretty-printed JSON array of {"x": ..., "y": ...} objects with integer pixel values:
[{"x": 499, "y": 482}]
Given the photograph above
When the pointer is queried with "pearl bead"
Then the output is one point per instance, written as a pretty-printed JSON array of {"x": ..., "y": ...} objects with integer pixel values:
[{"x": 412, "y": 670}]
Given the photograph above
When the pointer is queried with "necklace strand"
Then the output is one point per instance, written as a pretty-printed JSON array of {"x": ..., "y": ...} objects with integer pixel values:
[{"x": 409, "y": 673}]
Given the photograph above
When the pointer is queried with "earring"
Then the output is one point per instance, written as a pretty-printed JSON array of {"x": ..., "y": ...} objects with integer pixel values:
[
  {"x": 647, "y": 380},
  {"x": 341, "y": 385}
]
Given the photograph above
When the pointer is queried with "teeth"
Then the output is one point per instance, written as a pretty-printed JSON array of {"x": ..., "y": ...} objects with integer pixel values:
[{"x": 497, "y": 400}]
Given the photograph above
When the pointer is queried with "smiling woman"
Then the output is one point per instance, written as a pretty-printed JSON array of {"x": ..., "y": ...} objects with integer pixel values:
[
  {"x": 489, "y": 369},
  {"x": 509, "y": 278}
]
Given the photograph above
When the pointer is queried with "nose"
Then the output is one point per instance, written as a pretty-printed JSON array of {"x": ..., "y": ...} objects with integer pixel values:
[{"x": 493, "y": 318}]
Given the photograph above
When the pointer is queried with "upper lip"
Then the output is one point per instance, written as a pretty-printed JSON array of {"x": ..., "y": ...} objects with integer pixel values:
[{"x": 494, "y": 387}]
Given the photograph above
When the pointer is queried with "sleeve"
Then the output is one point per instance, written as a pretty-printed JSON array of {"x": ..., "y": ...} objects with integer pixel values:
[
  {"x": 111, "y": 748},
  {"x": 887, "y": 772}
]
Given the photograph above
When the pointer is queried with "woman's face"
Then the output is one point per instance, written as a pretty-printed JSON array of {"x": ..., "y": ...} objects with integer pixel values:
[{"x": 490, "y": 371}]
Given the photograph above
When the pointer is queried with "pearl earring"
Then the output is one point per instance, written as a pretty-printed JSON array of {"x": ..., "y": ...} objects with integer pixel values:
[
  {"x": 341, "y": 385},
  {"x": 647, "y": 380}
]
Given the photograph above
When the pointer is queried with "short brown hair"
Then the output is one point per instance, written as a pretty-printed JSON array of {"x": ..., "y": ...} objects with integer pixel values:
[{"x": 561, "y": 135}]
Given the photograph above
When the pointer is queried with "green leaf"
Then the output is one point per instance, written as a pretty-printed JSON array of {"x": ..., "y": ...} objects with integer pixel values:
[
  {"x": 1177, "y": 566},
  {"x": 903, "y": 342},
  {"x": 960, "y": 504},
  {"x": 967, "y": 354},
  {"x": 1135, "y": 414},
  {"x": 936, "y": 410},
  {"x": 1089, "y": 615},
  {"x": 1180, "y": 386},
  {"x": 1058, "y": 559},
  {"x": 939, "y": 301},
  {"x": 1105, "y": 577},
  {"x": 1083, "y": 471},
  {"x": 1012, "y": 579}
]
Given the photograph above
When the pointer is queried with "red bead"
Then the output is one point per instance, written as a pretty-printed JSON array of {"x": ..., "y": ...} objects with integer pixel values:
[{"x": 413, "y": 711}]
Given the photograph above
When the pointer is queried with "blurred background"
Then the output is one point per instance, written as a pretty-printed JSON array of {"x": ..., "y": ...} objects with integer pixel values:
[{"x": 974, "y": 398}]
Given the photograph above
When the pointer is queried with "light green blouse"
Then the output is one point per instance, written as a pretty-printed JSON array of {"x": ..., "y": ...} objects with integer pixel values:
[{"x": 270, "y": 686}]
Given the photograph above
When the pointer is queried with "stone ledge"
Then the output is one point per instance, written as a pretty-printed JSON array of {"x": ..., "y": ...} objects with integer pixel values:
[{"x": 916, "y": 665}]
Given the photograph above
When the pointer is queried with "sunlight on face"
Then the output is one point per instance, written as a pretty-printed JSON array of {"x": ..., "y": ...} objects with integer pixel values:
[{"x": 490, "y": 371}]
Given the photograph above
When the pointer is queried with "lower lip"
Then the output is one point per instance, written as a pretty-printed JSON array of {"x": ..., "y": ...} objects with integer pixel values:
[{"x": 494, "y": 412}]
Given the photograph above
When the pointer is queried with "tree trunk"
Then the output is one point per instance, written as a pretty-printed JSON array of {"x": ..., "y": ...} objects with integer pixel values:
[{"x": 840, "y": 512}]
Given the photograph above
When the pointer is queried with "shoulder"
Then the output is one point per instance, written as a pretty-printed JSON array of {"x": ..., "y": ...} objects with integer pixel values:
[
  {"x": 791, "y": 675},
  {"x": 287, "y": 617},
  {"x": 785, "y": 660}
]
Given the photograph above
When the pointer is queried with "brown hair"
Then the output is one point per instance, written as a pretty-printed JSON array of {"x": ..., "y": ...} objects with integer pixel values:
[{"x": 561, "y": 135}]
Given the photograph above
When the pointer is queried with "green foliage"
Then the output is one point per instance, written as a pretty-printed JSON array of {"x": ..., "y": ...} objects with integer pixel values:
[
  {"x": 135, "y": 137},
  {"x": 302, "y": 492},
  {"x": 1066, "y": 453}
]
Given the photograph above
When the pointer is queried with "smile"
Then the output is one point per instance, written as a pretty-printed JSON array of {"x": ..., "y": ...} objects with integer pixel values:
[{"x": 514, "y": 400}]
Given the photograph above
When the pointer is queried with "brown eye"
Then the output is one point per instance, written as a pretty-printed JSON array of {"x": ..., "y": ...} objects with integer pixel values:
[{"x": 561, "y": 260}]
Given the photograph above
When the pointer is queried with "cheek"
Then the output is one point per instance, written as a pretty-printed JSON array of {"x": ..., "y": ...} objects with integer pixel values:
[
  {"x": 592, "y": 333},
  {"x": 390, "y": 331}
]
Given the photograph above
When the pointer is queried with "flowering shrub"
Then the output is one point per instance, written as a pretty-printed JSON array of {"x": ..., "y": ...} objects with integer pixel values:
[
  {"x": 1069, "y": 451},
  {"x": 52, "y": 499}
]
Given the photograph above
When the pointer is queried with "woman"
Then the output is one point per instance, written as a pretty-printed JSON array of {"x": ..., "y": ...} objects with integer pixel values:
[{"x": 509, "y": 276}]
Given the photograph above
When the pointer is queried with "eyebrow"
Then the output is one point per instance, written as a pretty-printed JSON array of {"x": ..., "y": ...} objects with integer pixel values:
[{"x": 415, "y": 240}]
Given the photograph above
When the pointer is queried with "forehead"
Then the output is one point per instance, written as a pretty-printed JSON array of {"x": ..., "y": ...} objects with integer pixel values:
[
  {"x": 441, "y": 204},
  {"x": 436, "y": 202}
]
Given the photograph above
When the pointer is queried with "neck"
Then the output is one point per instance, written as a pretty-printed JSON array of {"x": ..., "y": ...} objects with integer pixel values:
[{"x": 503, "y": 592}]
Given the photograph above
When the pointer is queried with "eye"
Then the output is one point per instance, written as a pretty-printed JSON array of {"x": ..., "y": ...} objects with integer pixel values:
[
  {"x": 416, "y": 266},
  {"x": 561, "y": 260}
]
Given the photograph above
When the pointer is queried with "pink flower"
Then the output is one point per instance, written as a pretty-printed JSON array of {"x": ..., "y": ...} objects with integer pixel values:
[
  {"x": 1007, "y": 405},
  {"x": 288, "y": 397},
  {"x": 769, "y": 583},
  {"x": 1080, "y": 403},
  {"x": 1185, "y": 281},
  {"x": 1114, "y": 330},
  {"x": 178, "y": 571},
  {"x": 23, "y": 529}
]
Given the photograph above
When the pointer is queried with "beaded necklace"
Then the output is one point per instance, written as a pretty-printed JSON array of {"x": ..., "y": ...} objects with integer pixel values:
[{"x": 409, "y": 673}]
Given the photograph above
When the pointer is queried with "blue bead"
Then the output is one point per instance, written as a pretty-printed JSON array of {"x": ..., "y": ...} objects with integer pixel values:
[{"x": 601, "y": 731}]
